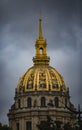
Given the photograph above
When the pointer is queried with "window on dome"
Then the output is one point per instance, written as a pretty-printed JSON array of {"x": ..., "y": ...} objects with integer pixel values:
[
  {"x": 43, "y": 102},
  {"x": 17, "y": 126},
  {"x": 28, "y": 125},
  {"x": 29, "y": 102},
  {"x": 30, "y": 84},
  {"x": 56, "y": 102},
  {"x": 42, "y": 85},
  {"x": 55, "y": 85},
  {"x": 41, "y": 50}
]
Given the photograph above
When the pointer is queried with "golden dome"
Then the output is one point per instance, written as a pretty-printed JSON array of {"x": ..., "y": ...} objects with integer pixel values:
[{"x": 41, "y": 77}]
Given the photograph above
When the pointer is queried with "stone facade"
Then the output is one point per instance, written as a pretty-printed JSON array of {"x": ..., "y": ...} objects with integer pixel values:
[{"x": 36, "y": 109}]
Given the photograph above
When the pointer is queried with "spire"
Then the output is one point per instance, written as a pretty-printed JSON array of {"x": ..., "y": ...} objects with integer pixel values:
[
  {"x": 40, "y": 28},
  {"x": 41, "y": 57}
]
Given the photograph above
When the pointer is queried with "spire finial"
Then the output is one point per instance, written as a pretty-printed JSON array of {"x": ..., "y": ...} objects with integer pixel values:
[{"x": 40, "y": 28}]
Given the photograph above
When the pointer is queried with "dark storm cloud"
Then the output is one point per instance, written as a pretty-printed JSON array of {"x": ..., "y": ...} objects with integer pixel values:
[
  {"x": 4, "y": 101},
  {"x": 62, "y": 18},
  {"x": 18, "y": 30}
]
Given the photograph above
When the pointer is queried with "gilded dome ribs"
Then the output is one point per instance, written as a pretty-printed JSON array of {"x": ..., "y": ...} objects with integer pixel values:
[{"x": 42, "y": 78}]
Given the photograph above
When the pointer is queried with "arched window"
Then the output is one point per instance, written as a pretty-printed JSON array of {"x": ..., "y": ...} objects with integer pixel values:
[
  {"x": 29, "y": 102},
  {"x": 19, "y": 103},
  {"x": 28, "y": 125},
  {"x": 17, "y": 126},
  {"x": 43, "y": 102},
  {"x": 41, "y": 50},
  {"x": 56, "y": 102}
]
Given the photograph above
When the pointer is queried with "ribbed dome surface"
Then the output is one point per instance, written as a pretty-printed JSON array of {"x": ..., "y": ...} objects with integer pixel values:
[{"x": 42, "y": 78}]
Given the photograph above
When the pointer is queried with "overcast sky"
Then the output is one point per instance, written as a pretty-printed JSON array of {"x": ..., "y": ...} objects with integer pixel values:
[{"x": 62, "y": 27}]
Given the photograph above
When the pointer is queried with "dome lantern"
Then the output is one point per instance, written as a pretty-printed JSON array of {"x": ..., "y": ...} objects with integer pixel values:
[{"x": 41, "y": 57}]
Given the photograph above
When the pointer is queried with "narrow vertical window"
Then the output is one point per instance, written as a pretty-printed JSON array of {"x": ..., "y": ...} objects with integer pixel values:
[
  {"x": 65, "y": 102},
  {"x": 19, "y": 103},
  {"x": 29, "y": 102},
  {"x": 17, "y": 126},
  {"x": 56, "y": 102},
  {"x": 41, "y": 50},
  {"x": 28, "y": 125},
  {"x": 43, "y": 102}
]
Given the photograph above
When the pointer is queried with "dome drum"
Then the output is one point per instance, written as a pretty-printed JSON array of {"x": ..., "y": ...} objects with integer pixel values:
[{"x": 40, "y": 101}]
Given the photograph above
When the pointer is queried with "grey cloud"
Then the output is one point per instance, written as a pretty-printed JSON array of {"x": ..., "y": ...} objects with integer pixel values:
[
  {"x": 17, "y": 20},
  {"x": 18, "y": 32}
]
